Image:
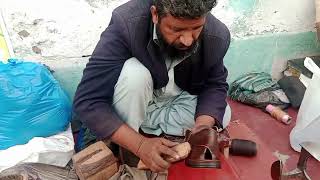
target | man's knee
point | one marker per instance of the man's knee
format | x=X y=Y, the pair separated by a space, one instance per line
x=135 y=76
x=133 y=92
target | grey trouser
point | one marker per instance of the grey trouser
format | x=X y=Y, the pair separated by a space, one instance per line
x=135 y=103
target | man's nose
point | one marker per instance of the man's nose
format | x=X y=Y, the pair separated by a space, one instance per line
x=186 y=39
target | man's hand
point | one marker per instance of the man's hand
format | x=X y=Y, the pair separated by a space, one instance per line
x=203 y=120
x=152 y=150
x=149 y=150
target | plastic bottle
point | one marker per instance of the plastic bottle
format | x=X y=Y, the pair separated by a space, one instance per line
x=278 y=114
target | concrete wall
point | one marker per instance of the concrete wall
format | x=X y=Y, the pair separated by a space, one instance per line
x=265 y=33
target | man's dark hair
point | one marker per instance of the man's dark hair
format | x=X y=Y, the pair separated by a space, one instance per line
x=184 y=8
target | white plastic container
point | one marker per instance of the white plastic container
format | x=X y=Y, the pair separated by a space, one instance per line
x=307 y=127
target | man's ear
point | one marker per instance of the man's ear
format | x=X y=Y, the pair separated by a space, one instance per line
x=155 y=16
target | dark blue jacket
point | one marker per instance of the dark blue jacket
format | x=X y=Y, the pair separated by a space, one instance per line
x=129 y=34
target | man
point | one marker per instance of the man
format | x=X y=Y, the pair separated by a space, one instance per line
x=158 y=67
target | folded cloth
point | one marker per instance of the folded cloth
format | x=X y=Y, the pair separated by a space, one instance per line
x=256 y=89
x=254 y=82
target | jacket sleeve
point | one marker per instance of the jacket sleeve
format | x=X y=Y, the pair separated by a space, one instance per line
x=94 y=95
x=212 y=99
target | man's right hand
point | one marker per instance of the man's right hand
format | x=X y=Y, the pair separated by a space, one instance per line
x=152 y=151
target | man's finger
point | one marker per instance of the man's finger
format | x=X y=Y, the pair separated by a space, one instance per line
x=168 y=143
x=161 y=162
x=164 y=150
x=156 y=168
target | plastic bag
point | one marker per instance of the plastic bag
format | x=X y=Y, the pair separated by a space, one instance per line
x=308 y=121
x=55 y=150
x=32 y=104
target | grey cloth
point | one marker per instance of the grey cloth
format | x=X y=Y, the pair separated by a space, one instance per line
x=172 y=116
x=170 y=112
x=130 y=173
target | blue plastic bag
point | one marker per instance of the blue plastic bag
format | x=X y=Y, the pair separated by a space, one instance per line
x=32 y=103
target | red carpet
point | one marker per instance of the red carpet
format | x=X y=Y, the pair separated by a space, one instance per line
x=271 y=136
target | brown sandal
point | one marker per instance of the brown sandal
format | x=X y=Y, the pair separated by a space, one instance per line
x=204 y=148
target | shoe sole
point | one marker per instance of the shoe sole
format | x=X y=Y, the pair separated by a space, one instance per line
x=211 y=164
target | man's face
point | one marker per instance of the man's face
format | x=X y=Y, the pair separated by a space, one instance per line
x=178 y=33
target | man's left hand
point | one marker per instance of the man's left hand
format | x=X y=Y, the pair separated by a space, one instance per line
x=203 y=120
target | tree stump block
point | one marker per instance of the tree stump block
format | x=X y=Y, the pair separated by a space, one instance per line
x=96 y=162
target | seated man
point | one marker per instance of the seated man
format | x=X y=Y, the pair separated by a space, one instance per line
x=158 y=67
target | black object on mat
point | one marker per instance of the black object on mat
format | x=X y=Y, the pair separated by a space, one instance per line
x=294 y=89
x=241 y=147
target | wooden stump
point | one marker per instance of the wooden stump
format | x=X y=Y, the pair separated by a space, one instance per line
x=96 y=162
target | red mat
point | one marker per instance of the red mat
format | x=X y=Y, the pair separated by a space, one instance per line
x=251 y=168
x=235 y=167
x=181 y=172
x=274 y=135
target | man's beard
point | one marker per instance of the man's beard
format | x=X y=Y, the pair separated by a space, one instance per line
x=171 y=50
